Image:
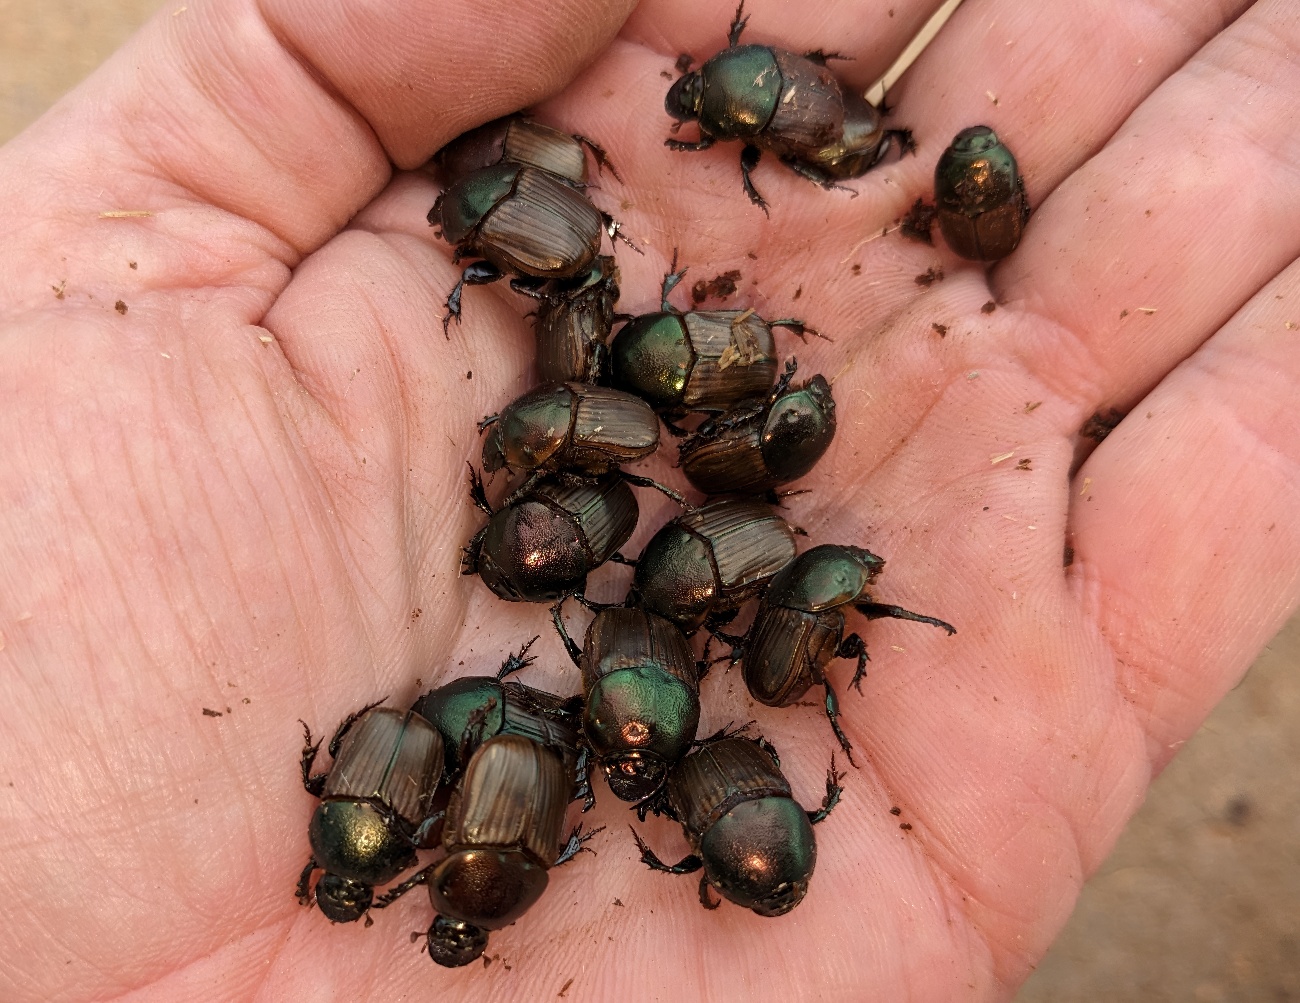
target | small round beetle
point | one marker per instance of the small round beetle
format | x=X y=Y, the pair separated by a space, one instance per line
x=517 y=139
x=469 y=710
x=503 y=832
x=573 y=322
x=699 y=360
x=762 y=442
x=570 y=426
x=799 y=627
x=754 y=842
x=699 y=569
x=641 y=696
x=374 y=806
x=522 y=220
x=542 y=543
x=980 y=196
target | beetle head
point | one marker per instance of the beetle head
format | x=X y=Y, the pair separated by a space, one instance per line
x=343 y=900
x=453 y=942
x=974 y=141
x=684 y=97
x=634 y=776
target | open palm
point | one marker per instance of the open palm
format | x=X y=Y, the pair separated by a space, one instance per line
x=234 y=489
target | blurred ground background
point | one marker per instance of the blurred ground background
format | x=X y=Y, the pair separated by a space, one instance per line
x=1199 y=902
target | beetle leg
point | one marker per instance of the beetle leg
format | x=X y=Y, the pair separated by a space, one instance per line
x=783 y=383
x=876 y=611
x=687 y=865
x=853 y=647
x=487 y=422
x=315 y=785
x=526 y=486
x=429 y=832
x=470 y=553
x=798 y=328
x=821 y=57
x=770 y=749
x=582 y=776
x=737 y=25
x=674 y=430
x=671 y=278
x=646 y=482
x=479 y=273
x=1024 y=200
x=706 y=899
x=572 y=648
x=518 y=660
x=749 y=158
x=703 y=143
x=602 y=158
x=303 y=891
x=833 y=792
x=576 y=844
x=347 y=723
x=397 y=891
x=617 y=558
x=818 y=177
x=615 y=230
x=833 y=714
x=476 y=493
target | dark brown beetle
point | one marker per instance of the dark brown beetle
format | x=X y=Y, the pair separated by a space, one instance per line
x=799 y=627
x=641 y=696
x=762 y=442
x=469 y=710
x=699 y=569
x=523 y=221
x=541 y=544
x=573 y=322
x=767 y=97
x=701 y=360
x=753 y=841
x=374 y=806
x=518 y=139
x=980 y=196
x=503 y=831
x=570 y=426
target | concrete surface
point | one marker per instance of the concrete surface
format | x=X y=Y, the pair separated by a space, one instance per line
x=1200 y=900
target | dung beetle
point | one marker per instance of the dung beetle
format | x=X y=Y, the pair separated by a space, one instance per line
x=541 y=544
x=753 y=840
x=504 y=830
x=569 y=426
x=517 y=139
x=703 y=565
x=641 y=696
x=523 y=221
x=701 y=360
x=862 y=144
x=374 y=806
x=764 y=441
x=573 y=321
x=799 y=627
x=469 y=710
x=980 y=196
x=774 y=100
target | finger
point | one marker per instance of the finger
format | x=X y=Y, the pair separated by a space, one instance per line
x=286 y=119
x=1160 y=238
x=1184 y=519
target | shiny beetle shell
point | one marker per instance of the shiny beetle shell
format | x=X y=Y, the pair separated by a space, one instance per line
x=861 y=145
x=377 y=793
x=472 y=709
x=521 y=219
x=708 y=562
x=642 y=698
x=571 y=426
x=542 y=546
x=755 y=842
x=513 y=139
x=503 y=832
x=762 y=443
x=695 y=361
x=980 y=196
x=573 y=324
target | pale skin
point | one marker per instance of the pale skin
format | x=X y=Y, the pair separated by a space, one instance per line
x=247 y=491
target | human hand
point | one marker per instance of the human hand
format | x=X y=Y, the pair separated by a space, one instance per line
x=246 y=485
